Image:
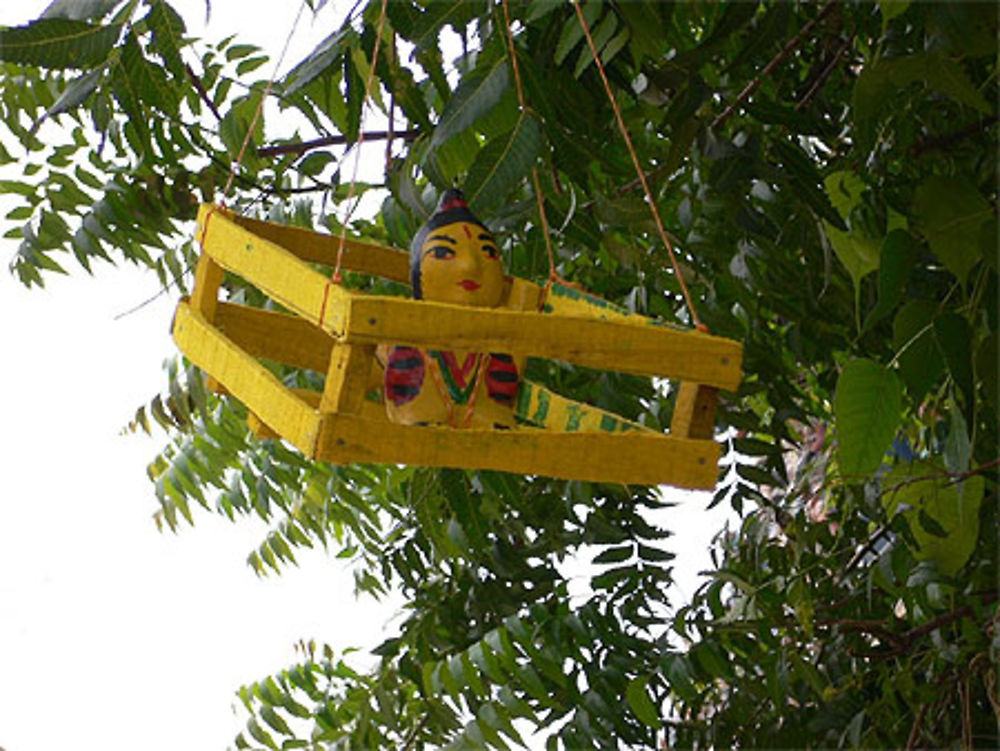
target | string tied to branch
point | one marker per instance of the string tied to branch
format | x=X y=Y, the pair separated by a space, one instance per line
x=639 y=171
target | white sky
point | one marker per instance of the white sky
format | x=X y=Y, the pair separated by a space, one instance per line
x=114 y=635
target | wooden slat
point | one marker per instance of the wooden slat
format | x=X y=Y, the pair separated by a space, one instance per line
x=607 y=345
x=566 y=300
x=208 y=278
x=633 y=457
x=246 y=379
x=283 y=277
x=367 y=258
x=316 y=247
x=275 y=336
x=520 y=294
x=347 y=378
x=694 y=411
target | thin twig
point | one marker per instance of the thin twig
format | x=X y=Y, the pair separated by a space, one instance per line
x=317 y=143
x=866 y=548
x=790 y=45
x=940 y=142
x=164 y=289
x=415 y=733
x=390 y=138
x=945 y=619
x=202 y=94
x=911 y=742
x=825 y=74
x=952 y=477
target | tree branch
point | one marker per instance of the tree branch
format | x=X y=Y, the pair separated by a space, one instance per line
x=790 y=45
x=943 y=141
x=945 y=619
x=911 y=742
x=824 y=74
x=202 y=94
x=317 y=143
x=902 y=642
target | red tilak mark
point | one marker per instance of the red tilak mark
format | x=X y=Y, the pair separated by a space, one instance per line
x=468 y=234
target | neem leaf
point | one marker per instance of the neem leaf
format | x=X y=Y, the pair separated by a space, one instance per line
x=75 y=94
x=892 y=8
x=940 y=73
x=957 y=449
x=953 y=335
x=986 y=368
x=951 y=212
x=933 y=503
x=476 y=95
x=58 y=43
x=319 y=60
x=920 y=360
x=640 y=703
x=805 y=180
x=874 y=87
x=857 y=250
x=79 y=10
x=168 y=35
x=897 y=260
x=867 y=408
x=502 y=163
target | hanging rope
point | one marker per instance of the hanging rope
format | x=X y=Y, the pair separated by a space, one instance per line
x=357 y=153
x=260 y=106
x=221 y=204
x=539 y=196
x=638 y=168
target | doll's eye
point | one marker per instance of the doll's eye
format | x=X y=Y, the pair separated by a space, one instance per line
x=441 y=252
x=491 y=252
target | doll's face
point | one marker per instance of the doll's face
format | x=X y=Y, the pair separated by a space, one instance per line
x=460 y=264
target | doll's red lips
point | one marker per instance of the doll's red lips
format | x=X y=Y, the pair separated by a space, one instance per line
x=469 y=285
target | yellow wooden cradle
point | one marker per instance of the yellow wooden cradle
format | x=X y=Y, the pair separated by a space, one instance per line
x=335 y=331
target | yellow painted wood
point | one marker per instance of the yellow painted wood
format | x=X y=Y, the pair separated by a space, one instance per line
x=694 y=411
x=246 y=379
x=567 y=300
x=603 y=344
x=275 y=336
x=214 y=386
x=278 y=273
x=316 y=247
x=632 y=457
x=347 y=378
x=547 y=409
x=208 y=278
x=336 y=332
x=520 y=294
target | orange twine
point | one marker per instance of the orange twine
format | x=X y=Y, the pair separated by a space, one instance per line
x=539 y=196
x=638 y=168
x=361 y=139
x=260 y=106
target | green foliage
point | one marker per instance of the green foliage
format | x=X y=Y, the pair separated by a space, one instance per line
x=840 y=222
x=866 y=410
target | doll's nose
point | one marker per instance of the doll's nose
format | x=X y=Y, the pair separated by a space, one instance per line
x=469 y=263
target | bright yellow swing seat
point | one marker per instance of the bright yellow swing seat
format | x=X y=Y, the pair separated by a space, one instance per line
x=336 y=331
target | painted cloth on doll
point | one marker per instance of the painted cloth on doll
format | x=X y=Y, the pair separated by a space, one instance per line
x=453 y=259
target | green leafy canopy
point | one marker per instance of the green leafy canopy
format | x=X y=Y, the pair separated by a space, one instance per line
x=827 y=173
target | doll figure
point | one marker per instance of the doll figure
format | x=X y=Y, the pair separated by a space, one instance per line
x=453 y=259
